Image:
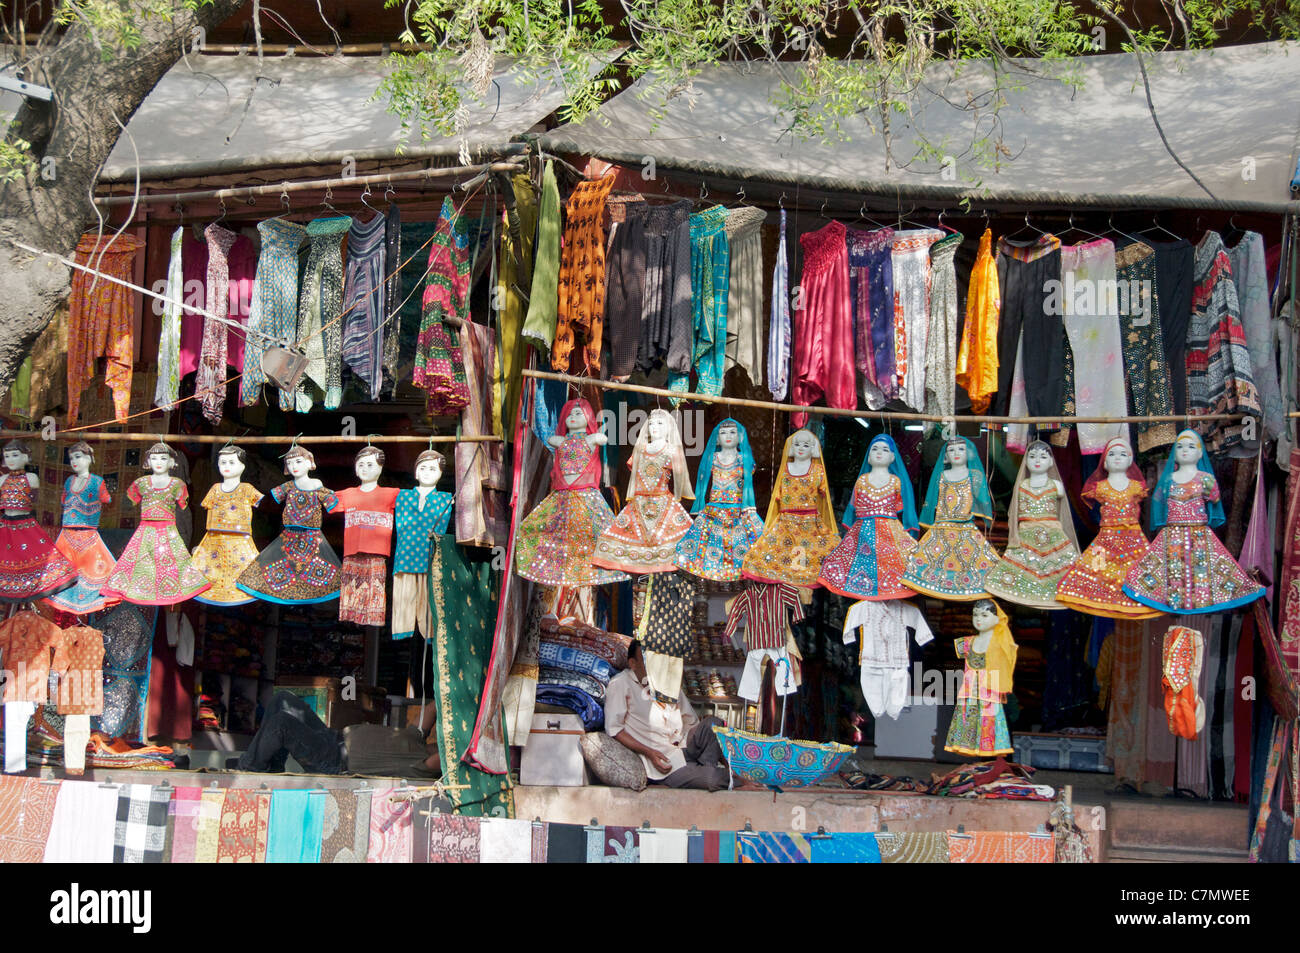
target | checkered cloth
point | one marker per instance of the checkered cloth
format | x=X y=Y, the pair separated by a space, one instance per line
x=141 y=833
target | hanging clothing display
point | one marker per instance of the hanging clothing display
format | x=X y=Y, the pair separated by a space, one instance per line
x=910 y=259
x=625 y=275
x=1186 y=569
x=101 y=320
x=300 y=566
x=29 y=645
x=745 y=292
x=320 y=306
x=482 y=485
x=439 y=366
x=227 y=546
x=393 y=296
x=275 y=307
x=418 y=519
x=778 y=332
x=766 y=611
x=1250 y=278
x=30 y=565
x=1142 y=344
x=155 y=568
x=1289 y=582
x=1042 y=544
x=871 y=293
x=194 y=266
x=710 y=273
x=941 y=339
x=365 y=306
x=823 y=365
x=167 y=387
x=1219 y=377
x=1095 y=582
x=664 y=631
x=1175 y=263
x=1089 y=300
x=883 y=631
x=367 y=544
x=79 y=662
x=1027 y=273
x=667 y=335
x=555 y=543
x=210 y=387
x=581 y=285
x=80 y=542
x=543 y=295
x=977 y=361
x=953 y=557
x=800 y=528
x=979 y=725
x=643 y=537
x=727 y=523
x=870 y=561
x=513 y=276
x=1184 y=651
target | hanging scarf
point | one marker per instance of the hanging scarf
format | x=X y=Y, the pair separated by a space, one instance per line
x=908 y=514
x=1000 y=657
x=823 y=497
x=981 y=502
x=1160 y=498
x=705 y=475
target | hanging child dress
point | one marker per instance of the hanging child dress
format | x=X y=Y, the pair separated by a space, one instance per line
x=724 y=531
x=80 y=542
x=299 y=567
x=871 y=561
x=30 y=565
x=979 y=725
x=227 y=547
x=643 y=537
x=155 y=568
x=800 y=536
x=1028 y=573
x=1095 y=583
x=556 y=541
x=953 y=556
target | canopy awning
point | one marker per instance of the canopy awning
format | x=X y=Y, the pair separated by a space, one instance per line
x=1232 y=115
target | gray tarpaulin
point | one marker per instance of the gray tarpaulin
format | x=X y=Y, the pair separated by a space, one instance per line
x=1232 y=115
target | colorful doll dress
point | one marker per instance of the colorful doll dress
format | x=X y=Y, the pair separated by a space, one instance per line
x=299 y=567
x=643 y=537
x=725 y=529
x=30 y=565
x=80 y=542
x=794 y=544
x=979 y=725
x=953 y=556
x=556 y=541
x=1028 y=574
x=1186 y=569
x=227 y=547
x=1095 y=583
x=367 y=544
x=155 y=568
x=871 y=561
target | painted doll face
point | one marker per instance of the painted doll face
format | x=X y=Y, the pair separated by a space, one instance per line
x=803 y=446
x=367 y=469
x=15 y=459
x=1118 y=459
x=79 y=462
x=728 y=437
x=297 y=467
x=1186 y=450
x=956 y=453
x=160 y=463
x=229 y=466
x=657 y=427
x=428 y=472
x=880 y=455
x=983 y=618
x=576 y=421
x=1038 y=460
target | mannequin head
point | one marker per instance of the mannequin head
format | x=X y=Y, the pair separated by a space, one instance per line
x=804 y=446
x=369 y=464
x=576 y=422
x=1118 y=458
x=1038 y=457
x=657 y=428
x=81 y=456
x=298 y=462
x=231 y=462
x=1187 y=451
x=16 y=455
x=984 y=615
x=955 y=453
x=728 y=437
x=880 y=456
x=160 y=460
x=428 y=468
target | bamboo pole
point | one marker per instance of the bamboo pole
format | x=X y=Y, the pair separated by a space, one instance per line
x=91 y=436
x=868 y=414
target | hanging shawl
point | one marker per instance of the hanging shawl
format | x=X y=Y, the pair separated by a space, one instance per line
x=908 y=514
x=590 y=476
x=705 y=475
x=1000 y=658
x=1160 y=498
x=982 y=503
x=681 y=477
x=823 y=497
x=1062 y=502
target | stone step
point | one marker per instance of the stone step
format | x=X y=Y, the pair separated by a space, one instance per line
x=1139 y=855
x=1173 y=825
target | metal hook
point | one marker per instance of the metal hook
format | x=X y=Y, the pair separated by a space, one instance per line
x=780 y=203
x=823 y=212
x=284 y=199
x=740 y=195
x=704 y=189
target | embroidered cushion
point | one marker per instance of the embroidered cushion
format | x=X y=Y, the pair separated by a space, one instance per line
x=612 y=763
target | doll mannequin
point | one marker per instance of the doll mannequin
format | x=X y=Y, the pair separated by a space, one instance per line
x=870 y=562
x=555 y=543
x=299 y=567
x=84 y=497
x=800 y=530
x=367 y=541
x=953 y=556
x=979 y=725
x=1180 y=676
x=1186 y=569
x=1042 y=546
x=727 y=524
x=421 y=514
x=227 y=548
x=30 y=566
x=643 y=537
x=155 y=568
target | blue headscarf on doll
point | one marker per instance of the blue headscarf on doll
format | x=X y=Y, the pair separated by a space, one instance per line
x=908 y=514
x=706 y=466
x=982 y=504
x=1160 y=497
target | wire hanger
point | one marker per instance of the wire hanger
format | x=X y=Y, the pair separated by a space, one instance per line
x=1157 y=227
x=364 y=196
x=1112 y=230
x=903 y=219
x=947 y=228
x=862 y=216
x=222 y=217
x=1027 y=225
x=823 y=211
x=389 y=190
x=704 y=191
x=325 y=202
x=284 y=202
x=1071 y=227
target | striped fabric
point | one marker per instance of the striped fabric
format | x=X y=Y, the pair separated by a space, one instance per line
x=762 y=609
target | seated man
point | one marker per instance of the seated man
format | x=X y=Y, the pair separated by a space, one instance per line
x=291 y=727
x=679 y=750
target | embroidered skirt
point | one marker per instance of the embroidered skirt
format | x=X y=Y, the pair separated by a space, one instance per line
x=951 y=562
x=1028 y=574
x=643 y=537
x=978 y=728
x=870 y=562
x=362 y=598
x=84 y=548
x=221 y=557
x=1095 y=583
x=716 y=544
x=155 y=568
x=30 y=566
x=555 y=543
x=296 y=569
x=1186 y=570
x=791 y=551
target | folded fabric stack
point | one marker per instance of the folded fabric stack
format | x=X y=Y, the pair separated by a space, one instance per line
x=575 y=664
x=106 y=752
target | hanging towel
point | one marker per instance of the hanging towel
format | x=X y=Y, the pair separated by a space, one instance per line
x=297 y=822
x=663 y=847
x=84 y=823
x=140 y=831
x=505 y=841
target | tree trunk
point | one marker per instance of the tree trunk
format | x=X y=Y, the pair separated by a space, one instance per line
x=72 y=136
